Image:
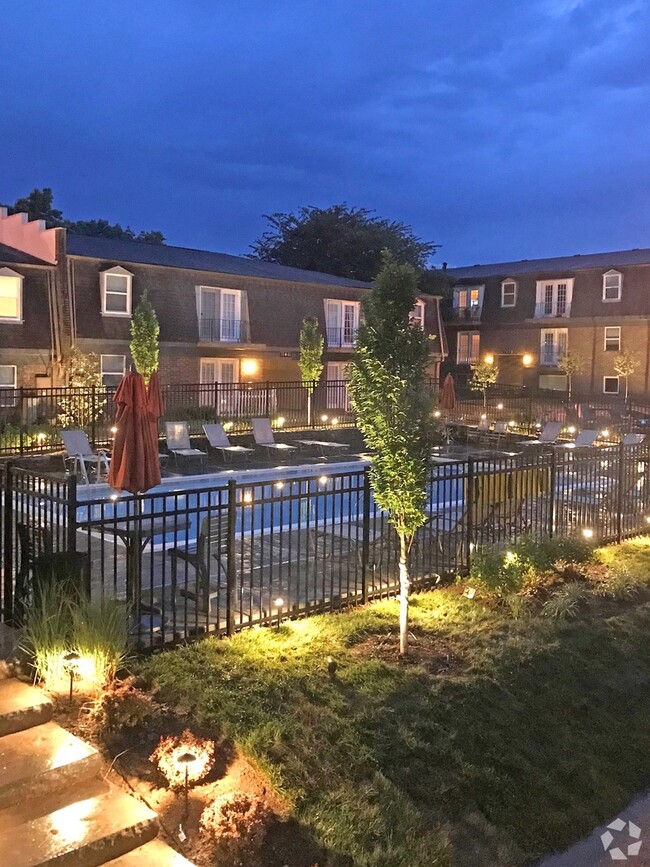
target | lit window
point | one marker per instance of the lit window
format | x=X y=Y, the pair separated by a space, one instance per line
x=610 y=384
x=612 y=285
x=417 y=315
x=11 y=295
x=468 y=347
x=612 y=342
x=341 y=322
x=7 y=381
x=112 y=369
x=508 y=293
x=116 y=292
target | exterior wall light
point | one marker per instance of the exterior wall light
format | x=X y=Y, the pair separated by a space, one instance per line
x=489 y=358
x=527 y=359
x=249 y=367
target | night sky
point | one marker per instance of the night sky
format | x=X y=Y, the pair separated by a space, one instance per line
x=501 y=130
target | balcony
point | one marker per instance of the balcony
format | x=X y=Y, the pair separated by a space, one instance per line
x=559 y=310
x=550 y=355
x=223 y=331
x=341 y=338
x=465 y=314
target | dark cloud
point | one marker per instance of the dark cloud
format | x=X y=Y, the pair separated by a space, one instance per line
x=498 y=129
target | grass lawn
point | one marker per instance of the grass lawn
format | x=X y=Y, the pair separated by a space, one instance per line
x=502 y=740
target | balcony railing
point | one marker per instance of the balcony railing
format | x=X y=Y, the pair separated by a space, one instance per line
x=341 y=338
x=223 y=330
x=549 y=356
x=465 y=314
x=561 y=310
x=467 y=359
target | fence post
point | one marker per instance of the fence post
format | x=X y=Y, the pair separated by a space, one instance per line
x=619 y=495
x=93 y=414
x=552 y=498
x=470 y=513
x=23 y=419
x=8 y=545
x=72 y=515
x=267 y=399
x=231 y=572
x=530 y=414
x=365 y=545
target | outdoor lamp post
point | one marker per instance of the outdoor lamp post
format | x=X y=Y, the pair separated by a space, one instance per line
x=185 y=760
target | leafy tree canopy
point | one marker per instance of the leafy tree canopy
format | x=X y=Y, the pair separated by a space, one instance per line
x=340 y=240
x=144 y=338
x=39 y=205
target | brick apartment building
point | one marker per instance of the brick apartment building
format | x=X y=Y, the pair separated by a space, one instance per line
x=527 y=314
x=222 y=318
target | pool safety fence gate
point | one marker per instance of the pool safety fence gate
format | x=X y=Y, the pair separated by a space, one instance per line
x=221 y=557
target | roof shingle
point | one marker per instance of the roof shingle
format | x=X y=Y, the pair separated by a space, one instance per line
x=559 y=263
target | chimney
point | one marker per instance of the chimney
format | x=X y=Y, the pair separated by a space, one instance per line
x=444 y=266
x=28 y=236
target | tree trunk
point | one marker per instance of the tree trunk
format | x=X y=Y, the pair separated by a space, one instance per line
x=404 y=593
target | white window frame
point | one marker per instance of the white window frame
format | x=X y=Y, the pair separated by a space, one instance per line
x=227 y=334
x=465 y=292
x=470 y=357
x=618 y=384
x=8 y=400
x=340 y=304
x=554 y=285
x=111 y=372
x=557 y=334
x=13 y=275
x=417 y=314
x=118 y=271
x=616 y=328
x=619 y=288
x=513 y=292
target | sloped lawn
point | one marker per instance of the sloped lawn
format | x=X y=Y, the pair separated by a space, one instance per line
x=501 y=740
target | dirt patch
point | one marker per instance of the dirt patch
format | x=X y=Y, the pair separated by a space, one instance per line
x=427 y=650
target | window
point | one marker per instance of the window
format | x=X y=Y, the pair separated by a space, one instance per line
x=468 y=301
x=417 y=315
x=612 y=342
x=468 y=347
x=612 y=285
x=116 y=292
x=508 y=293
x=553 y=345
x=7 y=381
x=11 y=296
x=553 y=298
x=610 y=384
x=224 y=371
x=342 y=322
x=112 y=369
x=220 y=317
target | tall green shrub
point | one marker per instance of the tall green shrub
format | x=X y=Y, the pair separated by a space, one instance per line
x=311 y=357
x=83 y=401
x=145 y=331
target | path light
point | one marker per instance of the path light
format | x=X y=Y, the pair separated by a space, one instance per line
x=279 y=602
x=279 y=485
x=280 y=421
x=571 y=429
x=588 y=533
x=40 y=437
x=647 y=519
x=71 y=662
x=247 y=497
x=323 y=479
x=324 y=418
x=604 y=433
x=114 y=429
x=186 y=759
x=183 y=760
x=499 y=406
x=335 y=421
x=436 y=414
x=510 y=556
x=512 y=423
x=483 y=417
x=114 y=497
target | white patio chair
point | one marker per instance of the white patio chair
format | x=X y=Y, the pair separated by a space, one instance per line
x=218 y=439
x=80 y=453
x=322 y=445
x=263 y=436
x=178 y=441
x=633 y=439
x=584 y=440
x=548 y=436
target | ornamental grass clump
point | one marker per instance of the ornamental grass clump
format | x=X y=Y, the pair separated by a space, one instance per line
x=237 y=823
x=170 y=757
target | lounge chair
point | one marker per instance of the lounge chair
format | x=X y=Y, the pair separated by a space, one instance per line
x=548 y=436
x=178 y=441
x=633 y=439
x=263 y=436
x=218 y=440
x=322 y=445
x=80 y=453
x=584 y=440
x=499 y=430
x=481 y=429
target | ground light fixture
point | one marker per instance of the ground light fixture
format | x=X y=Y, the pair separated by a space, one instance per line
x=114 y=429
x=499 y=406
x=279 y=603
x=324 y=418
x=335 y=421
x=588 y=533
x=71 y=662
x=183 y=761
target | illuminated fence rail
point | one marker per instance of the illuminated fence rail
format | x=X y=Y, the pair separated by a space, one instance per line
x=219 y=558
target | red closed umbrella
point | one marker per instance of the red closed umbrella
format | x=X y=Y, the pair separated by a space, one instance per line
x=447 y=398
x=135 y=463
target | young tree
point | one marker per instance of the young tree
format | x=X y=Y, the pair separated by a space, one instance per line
x=570 y=364
x=625 y=364
x=339 y=240
x=144 y=338
x=83 y=400
x=394 y=409
x=483 y=376
x=311 y=357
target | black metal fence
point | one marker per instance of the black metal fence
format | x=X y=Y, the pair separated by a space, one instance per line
x=215 y=557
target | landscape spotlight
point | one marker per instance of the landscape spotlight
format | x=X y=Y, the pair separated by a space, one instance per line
x=588 y=533
x=71 y=662
x=527 y=360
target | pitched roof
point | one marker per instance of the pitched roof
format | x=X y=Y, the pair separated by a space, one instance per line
x=9 y=255
x=558 y=263
x=196 y=260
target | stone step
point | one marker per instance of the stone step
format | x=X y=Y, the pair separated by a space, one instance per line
x=22 y=706
x=42 y=760
x=154 y=854
x=27 y=809
x=84 y=834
